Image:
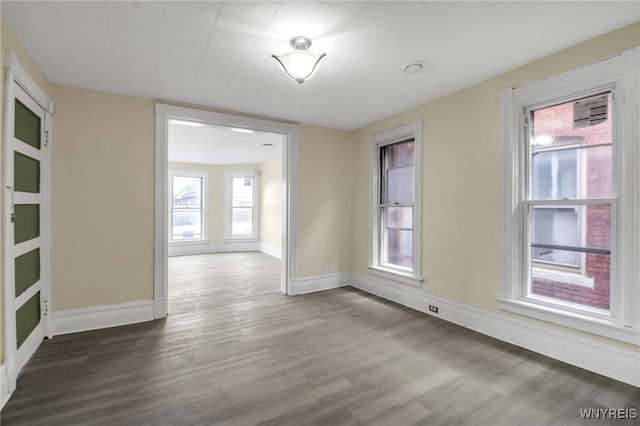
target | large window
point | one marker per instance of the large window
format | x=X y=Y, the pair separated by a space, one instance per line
x=395 y=229
x=241 y=212
x=187 y=210
x=570 y=206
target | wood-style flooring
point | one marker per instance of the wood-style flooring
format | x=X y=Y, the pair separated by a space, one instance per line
x=235 y=351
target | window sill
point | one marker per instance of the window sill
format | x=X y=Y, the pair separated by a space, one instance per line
x=583 y=322
x=562 y=276
x=391 y=274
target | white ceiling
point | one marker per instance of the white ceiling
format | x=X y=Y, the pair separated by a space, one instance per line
x=209 y=144
x=217 y=54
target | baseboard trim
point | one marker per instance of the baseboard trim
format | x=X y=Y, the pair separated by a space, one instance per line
x=105 y=316
x=320 y=283
x=599 y=357
x=186 y=249
x=5 y=394
x=270 y=250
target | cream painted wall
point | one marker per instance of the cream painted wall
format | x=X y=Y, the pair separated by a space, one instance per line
x=324 y=201
x=271 y=203
x=103 y=198
x=8 y=41
x=215 y=192
x=462 y=167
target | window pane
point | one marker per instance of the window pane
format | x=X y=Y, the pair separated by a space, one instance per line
x=566 y=288
x=400 y=185
x=399 y=154
x=579 y=272
x=399 y=217
x=398 y=172
x=554 y=175
x=568 y=160
x=187 y=191
x=586 y=173
x=242 y=221
x=187 y=224
x=555 y=226
x=242 y=192
x=398 y=247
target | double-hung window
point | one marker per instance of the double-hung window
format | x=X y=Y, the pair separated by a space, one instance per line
x=571 y=201
x=188 y=205
x=395 y=225
x=241 y=200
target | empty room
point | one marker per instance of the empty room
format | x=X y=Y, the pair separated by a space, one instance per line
x=320 y=212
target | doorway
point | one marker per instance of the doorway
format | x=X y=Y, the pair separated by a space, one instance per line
x=197 y=227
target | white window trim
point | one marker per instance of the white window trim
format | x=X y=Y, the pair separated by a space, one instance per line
x=621 y=75
x=204 y=175
x=228 y=176
x=411 y=130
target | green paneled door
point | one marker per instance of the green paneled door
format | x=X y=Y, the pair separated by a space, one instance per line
x=26 y=217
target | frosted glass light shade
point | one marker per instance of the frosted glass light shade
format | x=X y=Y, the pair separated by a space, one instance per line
x=300 y=64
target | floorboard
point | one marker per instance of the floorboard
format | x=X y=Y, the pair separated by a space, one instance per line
x=235 y=351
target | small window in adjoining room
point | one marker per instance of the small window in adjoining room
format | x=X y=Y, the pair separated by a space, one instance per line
x=395 y=226
x=187 y=216
x=241 y=213
x=571 y=211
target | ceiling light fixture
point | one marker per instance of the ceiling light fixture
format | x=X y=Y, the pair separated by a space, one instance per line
x=300 y=64
x=412 y=67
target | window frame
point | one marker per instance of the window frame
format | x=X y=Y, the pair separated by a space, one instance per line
x=228 y=205
x=204 y=175
x=378 y=141
x=619 y=75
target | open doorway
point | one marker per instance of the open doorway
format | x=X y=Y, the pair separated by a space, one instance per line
x=223 y=186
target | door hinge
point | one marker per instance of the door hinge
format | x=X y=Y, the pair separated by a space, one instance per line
x=525 y=121
x=46 y=138
x=45 y=307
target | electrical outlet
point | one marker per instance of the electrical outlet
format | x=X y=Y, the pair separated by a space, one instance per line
x=433 y=309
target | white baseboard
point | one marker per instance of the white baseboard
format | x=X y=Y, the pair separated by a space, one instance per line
x=5 y=394
x=319 y=283
x=231 y=246
x=97 y=317
x=270 y=250
x=161 y=308
x=602 y=358
x=185 y=249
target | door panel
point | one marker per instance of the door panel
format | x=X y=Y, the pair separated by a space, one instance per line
x=26 y=173
x=27 y=270
x=27 y=222
x=27 y=318
x=28 y=125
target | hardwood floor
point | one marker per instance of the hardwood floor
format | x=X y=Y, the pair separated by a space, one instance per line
x=235 y=351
